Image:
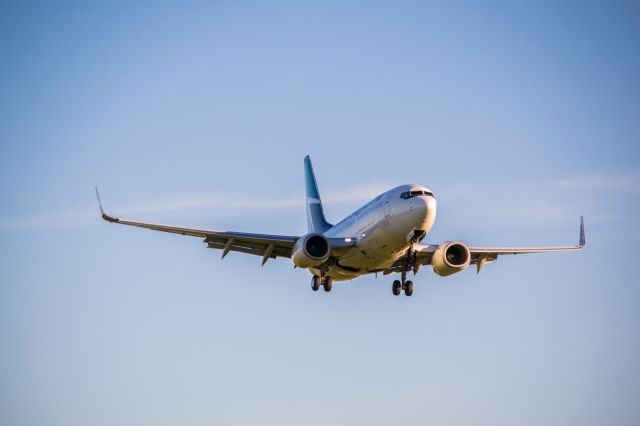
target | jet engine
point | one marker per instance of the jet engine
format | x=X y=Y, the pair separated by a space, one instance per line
x=311 y=250
x=449 y=258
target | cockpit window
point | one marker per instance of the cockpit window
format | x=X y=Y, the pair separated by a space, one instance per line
x=411 y=194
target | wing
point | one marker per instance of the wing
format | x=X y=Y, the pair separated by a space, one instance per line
x=267 y=246
x=481 y=255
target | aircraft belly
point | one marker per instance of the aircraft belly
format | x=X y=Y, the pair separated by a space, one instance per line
x=380 y=246
x=379 y=250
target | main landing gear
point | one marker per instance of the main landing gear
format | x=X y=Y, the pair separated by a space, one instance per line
x=398 y=287
x=403 y=284
x=326 y=283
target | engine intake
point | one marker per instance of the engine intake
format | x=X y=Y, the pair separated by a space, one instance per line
x=311 y=250
x=449 y=258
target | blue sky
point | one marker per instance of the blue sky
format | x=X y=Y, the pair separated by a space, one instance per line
x=520 y=116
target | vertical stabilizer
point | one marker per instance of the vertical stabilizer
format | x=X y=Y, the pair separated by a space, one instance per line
x=316 y=221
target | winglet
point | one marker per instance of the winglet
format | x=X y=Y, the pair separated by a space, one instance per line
x=582 y=241
x=104 y=215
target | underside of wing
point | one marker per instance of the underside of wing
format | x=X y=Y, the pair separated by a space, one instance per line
x=423 y=254
x=265 y=245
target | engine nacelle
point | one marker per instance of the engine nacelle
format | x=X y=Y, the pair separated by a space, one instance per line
x=449 y=258
x=311 y=250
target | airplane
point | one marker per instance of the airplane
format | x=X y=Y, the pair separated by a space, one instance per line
x=383 y=236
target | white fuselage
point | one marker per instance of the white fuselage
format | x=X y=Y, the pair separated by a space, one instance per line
x=384 y=229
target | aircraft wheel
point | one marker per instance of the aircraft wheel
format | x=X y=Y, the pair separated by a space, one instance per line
x=327 y=284
x=396 y=288
x=408 y=288
x=315 y=283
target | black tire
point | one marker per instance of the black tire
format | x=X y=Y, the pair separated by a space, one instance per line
x=396 y=288
x=408 y=288
x=327 y=284
x=315 y=283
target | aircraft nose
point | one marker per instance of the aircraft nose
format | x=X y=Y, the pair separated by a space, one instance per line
x=425 y=207
x=421 y=204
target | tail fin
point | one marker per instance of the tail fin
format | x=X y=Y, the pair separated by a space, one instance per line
x=315 y=214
